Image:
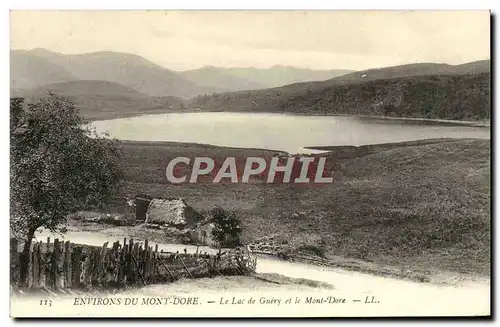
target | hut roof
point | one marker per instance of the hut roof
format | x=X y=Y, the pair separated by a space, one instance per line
x=172 y=212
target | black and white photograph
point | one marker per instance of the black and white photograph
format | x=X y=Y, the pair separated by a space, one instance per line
x=250 y=163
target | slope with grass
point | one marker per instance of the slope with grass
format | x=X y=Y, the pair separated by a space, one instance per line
x=28 y=71
x=99 y=100
x=417 y=69
x=416 y=206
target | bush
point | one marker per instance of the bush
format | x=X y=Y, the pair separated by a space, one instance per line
x=227 y=228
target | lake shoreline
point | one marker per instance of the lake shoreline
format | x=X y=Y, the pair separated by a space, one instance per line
x=436 y=121
x=340 y=150
x=290 y=133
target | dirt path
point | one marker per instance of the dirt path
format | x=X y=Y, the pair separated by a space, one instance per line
x=395 y=297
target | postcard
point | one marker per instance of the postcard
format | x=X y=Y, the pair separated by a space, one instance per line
x=250 y=164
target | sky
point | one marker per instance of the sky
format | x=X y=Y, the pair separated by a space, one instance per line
x=182 y=40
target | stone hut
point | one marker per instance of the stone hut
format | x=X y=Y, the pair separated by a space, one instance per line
x=170 y=212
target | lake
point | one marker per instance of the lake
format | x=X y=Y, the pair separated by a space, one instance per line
x=284 y=132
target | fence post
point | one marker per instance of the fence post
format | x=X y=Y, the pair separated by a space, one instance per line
x=151 y=261
x=57 y=265
x=130 y=267
x=185 y=267
x=86 y=278
x=95 y=266
x=114 y=261
x=155 y=264
x=49 y=280
x=42 y=261
x=122 y=272
x=213 y=268
x=101 y=266
x=138 y=270
x=30 y=266
x=67 y=264
x=76 y=266
x=36 y=265
x=166 y=268
x=145 y=260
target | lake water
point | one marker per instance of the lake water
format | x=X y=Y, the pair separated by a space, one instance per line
x=277 y=131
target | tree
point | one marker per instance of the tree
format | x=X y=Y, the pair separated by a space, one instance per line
x=227 y=228
x=58 y=165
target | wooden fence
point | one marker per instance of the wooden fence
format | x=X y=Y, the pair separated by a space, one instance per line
x=58 y=266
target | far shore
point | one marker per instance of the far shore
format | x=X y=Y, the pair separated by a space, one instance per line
x=374 y=118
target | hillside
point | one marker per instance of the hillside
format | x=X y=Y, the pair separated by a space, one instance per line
x=417 y=69
x=28 y=71
x=249 y=78
x=74 y=88
x=475 y=67
x=423 y=90
x=127 y=69
x=37 y=67
x=421 y=206
x=104 y=100
x=459 y=97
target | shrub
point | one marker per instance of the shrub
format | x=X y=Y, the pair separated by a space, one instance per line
x=227 y=228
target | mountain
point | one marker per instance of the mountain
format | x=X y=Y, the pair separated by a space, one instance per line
x=127 y=69
x=459 y=96
x=427 y=90
x=27 y=71
x=104 y=100
x=210 y=76
x=284 y=75
x=248 y=78
x=475 y=67
x=417 y=69
x=34 y=68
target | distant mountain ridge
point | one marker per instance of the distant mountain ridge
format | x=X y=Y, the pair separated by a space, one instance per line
x=250 y=78
x=109 y=85
x=28 y=71
x=127 y=69
x=37 y=67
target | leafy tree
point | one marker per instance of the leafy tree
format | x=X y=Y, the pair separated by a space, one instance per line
x=16 y=108
x=227 y=228
x=58 y=165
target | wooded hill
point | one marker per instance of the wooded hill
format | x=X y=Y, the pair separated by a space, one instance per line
x=460 y=97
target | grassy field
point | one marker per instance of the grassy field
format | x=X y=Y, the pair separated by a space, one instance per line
x=418 y=205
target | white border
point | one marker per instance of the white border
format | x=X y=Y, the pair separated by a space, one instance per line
x=255 y=4
x=187 y=5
